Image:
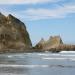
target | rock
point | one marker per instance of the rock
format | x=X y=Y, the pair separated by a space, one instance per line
x=3 y=19
x=51 y=43
x=41 y=44
x=13 y=34
x=54 y=41
x=42 y=41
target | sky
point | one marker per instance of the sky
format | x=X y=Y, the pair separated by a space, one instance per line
x=44 y=18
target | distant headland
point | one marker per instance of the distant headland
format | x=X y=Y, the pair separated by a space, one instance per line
x=15 y=38
x=53 y=44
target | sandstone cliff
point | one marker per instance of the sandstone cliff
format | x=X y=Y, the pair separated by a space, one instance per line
x=13 y=34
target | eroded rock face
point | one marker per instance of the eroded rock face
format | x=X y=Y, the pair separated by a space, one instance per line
x=52 y=42
x=13 y=34
x=40 y=44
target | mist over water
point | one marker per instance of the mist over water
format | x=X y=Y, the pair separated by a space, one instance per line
x=62 y=63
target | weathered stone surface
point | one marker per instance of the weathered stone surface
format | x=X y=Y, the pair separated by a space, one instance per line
x=41 y=44
x=52 y=42
x=13 y=34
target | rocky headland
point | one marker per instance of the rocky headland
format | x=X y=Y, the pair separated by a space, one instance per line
x=14 y=37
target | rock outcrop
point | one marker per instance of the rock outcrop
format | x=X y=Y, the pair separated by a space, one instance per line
x=51 y=43
x=54 y=42
x=13 y=34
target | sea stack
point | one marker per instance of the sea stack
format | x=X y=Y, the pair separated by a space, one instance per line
x=13 y=34
x=52 y=43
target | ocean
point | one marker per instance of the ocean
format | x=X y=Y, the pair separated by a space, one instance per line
x=47 y=63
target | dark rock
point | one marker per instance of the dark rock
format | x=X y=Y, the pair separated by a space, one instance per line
x=13 y=34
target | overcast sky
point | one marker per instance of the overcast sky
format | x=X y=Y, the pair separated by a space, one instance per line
x=44 y=18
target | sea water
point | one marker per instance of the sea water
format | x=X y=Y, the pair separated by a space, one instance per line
x=62 y=63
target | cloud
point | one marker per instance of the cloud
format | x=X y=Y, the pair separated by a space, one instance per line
x=41 y=13
x=27 y=1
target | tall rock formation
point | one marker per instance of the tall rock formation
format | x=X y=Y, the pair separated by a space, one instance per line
x=40 y=44
x=13 y=34
x=52 y=42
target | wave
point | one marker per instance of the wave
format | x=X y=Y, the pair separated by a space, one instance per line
x=37 y=66
x=67 y=52
x=43 y=54
x=69 y=59
x=54 y=58
x=22 y=66
x=10 y=74
x=49 y=54
x=69 y=55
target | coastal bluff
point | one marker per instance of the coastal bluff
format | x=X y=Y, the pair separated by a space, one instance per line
x=14 y=36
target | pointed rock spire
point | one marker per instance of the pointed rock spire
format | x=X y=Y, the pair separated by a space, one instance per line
x=2 y=18
x=42 y=41
x=14 y=20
